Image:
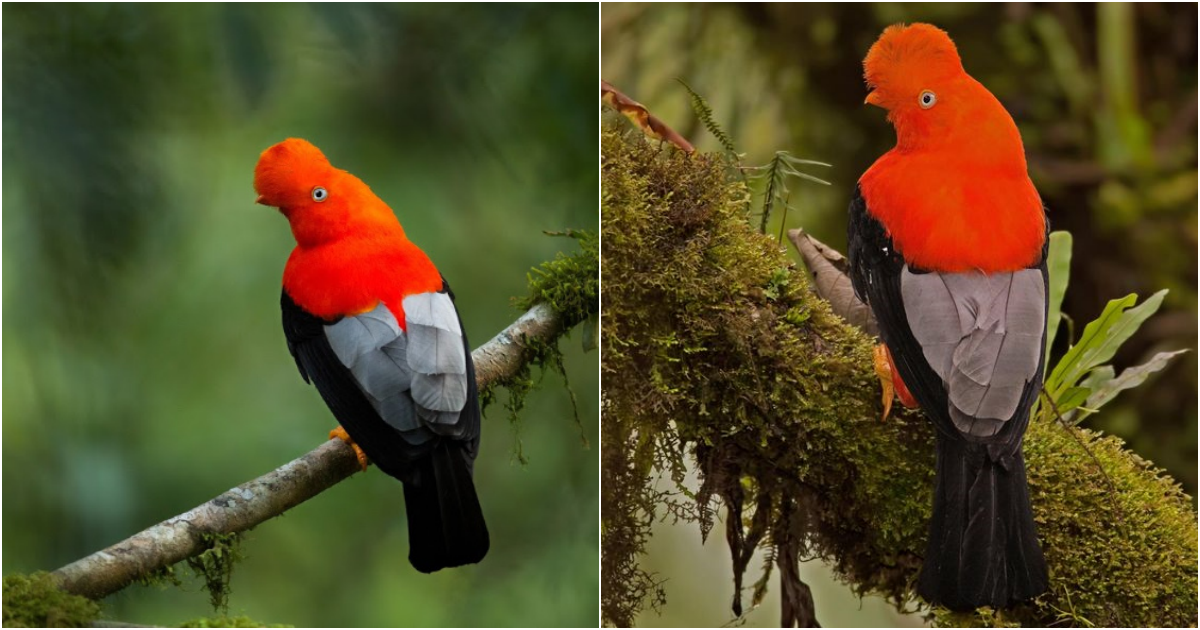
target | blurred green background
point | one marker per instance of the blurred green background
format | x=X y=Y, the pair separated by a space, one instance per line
x=1105 y=98
x=145 y=366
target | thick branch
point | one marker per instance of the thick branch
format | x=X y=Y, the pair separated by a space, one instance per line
x=175 y=539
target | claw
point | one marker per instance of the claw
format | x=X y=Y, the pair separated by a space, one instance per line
x=883 y=370
x=889 y=378
x=341 y=434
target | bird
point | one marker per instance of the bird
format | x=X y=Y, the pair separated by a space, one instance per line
x=947 y=244
x=373 y=325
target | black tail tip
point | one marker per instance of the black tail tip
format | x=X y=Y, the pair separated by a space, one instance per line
x=428 y=558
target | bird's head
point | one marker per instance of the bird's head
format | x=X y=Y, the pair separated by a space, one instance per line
x=321 y=202
x=914 y=72
x=292 y=174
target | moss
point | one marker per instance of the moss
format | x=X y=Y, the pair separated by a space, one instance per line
x=163 y=576
x=570 y=286
x=215 y=566
x=716 y=351
x=226 y=622
x=35 y=601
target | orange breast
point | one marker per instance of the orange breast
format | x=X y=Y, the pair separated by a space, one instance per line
x=348 y=277
x=950 y=216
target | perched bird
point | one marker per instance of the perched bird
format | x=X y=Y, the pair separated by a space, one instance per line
x=947 y=244
x=371 y=322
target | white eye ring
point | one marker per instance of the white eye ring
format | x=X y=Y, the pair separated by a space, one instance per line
x=927 y=99
x=319 y=194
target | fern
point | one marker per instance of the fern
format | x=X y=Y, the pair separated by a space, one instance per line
x=777 y=192
x=705 y=113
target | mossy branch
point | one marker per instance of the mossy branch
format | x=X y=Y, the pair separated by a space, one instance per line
x=717 y=351
x=190 y=534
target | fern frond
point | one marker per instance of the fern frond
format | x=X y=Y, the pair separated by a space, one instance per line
x=705 y=113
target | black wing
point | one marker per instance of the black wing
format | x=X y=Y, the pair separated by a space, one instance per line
x=877 y=271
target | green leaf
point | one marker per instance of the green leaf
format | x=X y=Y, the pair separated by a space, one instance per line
x=1101 y=339
x=1058 y=262
x=1071 y=399
x=1107 y=389
x=1098 y=377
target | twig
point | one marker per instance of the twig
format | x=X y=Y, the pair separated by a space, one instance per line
x=1112 y=488
x=176 y=539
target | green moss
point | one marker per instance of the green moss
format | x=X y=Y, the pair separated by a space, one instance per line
x=570 y=286
x=163 y=576
x=226 y=622
x=215 y=566
x=715 y=350
x=35 y=601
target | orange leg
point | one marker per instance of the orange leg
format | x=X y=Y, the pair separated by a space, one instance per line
x=341 y=434
x=883 y=370
x=889 y=378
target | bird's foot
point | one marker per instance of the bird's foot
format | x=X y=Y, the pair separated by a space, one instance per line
x=341 y=434
x=883 y=370
x=889 y=379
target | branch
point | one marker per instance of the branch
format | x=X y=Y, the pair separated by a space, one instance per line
x=179 y=538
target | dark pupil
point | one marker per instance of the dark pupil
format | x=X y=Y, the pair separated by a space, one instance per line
x=926 y=98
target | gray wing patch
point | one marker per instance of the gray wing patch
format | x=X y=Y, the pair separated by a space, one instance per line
x=437 y=358
x=417 y=382
x=353 y=337
x=374 y=347
x=982 y=334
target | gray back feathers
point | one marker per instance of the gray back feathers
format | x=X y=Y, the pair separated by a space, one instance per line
x=982 y=334
x=416 y=381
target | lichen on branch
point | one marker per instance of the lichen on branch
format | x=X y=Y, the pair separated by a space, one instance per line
x=717 y=354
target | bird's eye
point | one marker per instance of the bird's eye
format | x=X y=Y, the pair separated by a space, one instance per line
x=928 y=99
x=319 y=194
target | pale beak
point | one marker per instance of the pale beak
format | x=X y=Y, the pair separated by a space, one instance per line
x=261 y=199
x=872 y=99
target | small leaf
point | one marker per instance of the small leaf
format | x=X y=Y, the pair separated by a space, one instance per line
x=1101 y=339
x=1129 y=378
x=1058 y=262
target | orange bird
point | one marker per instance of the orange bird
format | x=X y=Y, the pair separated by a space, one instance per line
x=947 y=244
x=371 y=322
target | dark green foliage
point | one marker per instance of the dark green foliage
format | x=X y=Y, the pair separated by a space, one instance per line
x=35 y=601
x=716 y=350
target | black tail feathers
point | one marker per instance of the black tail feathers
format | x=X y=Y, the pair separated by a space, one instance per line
x=983 y=548
x=445 y=522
